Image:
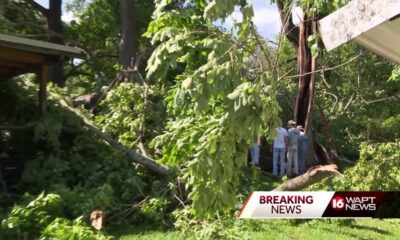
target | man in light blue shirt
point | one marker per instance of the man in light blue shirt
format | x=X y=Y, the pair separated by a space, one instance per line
x=302 y=149
x=292 y=155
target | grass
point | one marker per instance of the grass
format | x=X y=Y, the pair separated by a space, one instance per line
x=283 y=229
x=360 y=229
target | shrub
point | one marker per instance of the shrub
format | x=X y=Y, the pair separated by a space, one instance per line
x=376 y=170
x=42 y=218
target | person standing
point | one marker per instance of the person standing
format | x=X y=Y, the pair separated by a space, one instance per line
x=292 y=155
x=302 y=149
x=279 y=150
x=255 y=153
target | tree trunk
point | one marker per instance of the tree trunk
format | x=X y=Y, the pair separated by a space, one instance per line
x=129 y=40
x=313 y=175
x=306 y=67
x=55 y=26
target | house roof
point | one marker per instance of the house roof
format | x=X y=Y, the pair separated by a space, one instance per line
x=41 y=47
x=373 y=24
x=21 y=55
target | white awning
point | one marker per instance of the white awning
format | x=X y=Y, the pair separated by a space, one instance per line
x=374 y=24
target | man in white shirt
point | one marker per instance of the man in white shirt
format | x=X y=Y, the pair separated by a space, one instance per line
x=280 y=144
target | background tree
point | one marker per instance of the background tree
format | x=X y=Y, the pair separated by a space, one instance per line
x=55 y=34
x=128 y=45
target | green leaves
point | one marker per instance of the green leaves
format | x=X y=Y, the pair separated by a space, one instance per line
x=247 y=12
x=313 y=43
x=218 y=104
x=219 y=9
x=376 y=170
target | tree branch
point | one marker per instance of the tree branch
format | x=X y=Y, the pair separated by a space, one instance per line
x=312 y=176
x=291 y=31
x=321 y=70
x=133 y=155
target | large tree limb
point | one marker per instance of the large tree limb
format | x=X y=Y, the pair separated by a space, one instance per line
x=291 y=31
x=312 y=176
x=133 y=155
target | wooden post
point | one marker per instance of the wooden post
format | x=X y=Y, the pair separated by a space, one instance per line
x=43 y=75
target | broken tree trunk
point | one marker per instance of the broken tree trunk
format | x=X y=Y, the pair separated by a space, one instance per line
x=306 y=64
x=313 y=175
x=298 y=35
x=133 y=155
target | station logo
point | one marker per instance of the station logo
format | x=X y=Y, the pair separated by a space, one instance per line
x=354 y=203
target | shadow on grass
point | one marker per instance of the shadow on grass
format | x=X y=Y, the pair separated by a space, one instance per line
x=359 y=227
x=142 y=229
x=352 y=235
x=374 y=229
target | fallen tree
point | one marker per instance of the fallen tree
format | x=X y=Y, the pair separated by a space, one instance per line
x=133 y=155
x=313 y=175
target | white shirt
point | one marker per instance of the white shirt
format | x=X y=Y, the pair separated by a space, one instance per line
x=279 y=141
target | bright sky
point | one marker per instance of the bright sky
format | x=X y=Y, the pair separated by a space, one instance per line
x=266 y=16
x=66 y=16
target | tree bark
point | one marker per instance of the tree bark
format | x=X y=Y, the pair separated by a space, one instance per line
x=306 y=64
x=133 y=155
x=55 y=26
x=306 y=71
x=312 y=176
x=128 y=45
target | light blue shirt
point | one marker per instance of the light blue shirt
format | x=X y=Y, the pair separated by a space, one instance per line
x=294 y=135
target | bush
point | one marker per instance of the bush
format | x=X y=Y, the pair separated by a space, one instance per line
x=42 y=218
x=64 y=229
x=376 y=170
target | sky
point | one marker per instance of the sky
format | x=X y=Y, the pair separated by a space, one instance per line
x=266 y=17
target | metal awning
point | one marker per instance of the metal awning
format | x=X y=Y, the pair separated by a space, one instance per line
x=42 y=47
x=373 y=24
x=21 y=55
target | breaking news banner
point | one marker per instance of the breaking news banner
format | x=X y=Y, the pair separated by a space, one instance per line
x=263 y=205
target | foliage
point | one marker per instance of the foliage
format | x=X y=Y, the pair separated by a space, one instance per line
x=41 y=219
x=64 y=229
x=376 y=170
x=217 y=105
x=156 y=210
x=96 y=28
x=20 y=18
x=227 y=227
x=132 y=113
x=31 y=219
x=356 y=98
x=85 y=172
x=321 y=7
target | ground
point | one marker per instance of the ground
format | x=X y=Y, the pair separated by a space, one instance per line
x=286 y=229
x=282 y=229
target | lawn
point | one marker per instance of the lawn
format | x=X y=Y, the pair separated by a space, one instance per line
x=285 y=229
x=282 y=229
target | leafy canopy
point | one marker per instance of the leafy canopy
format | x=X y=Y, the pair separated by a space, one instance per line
x=221 y=98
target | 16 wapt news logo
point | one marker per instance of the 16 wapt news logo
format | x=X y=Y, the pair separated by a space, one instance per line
x=354 y=203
